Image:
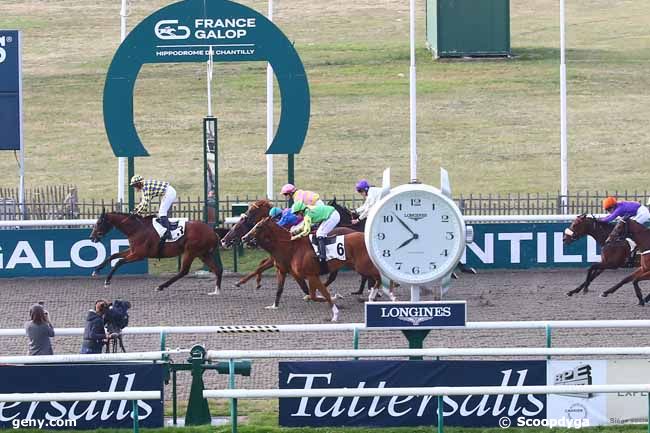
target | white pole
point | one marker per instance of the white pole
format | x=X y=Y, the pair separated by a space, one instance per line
x=413 y=148
x=564 y=171
x=209 y=82
x=21 y=162
x=80 y=396
x=121 y=161
x=269 y=119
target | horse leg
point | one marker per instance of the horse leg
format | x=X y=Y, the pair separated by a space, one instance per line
x=624 y=281
x=212 y=264
x=185 y=269
x=118 y=264
x=118 y=255
x=362 y=286
x=265 y=264
x=587 y=280
x=281 y=278
x=315 y=283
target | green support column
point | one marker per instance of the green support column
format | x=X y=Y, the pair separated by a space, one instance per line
x=198 y=412
x=136 y=417
x=233 y=401
x=441 y=415
x=416 y=339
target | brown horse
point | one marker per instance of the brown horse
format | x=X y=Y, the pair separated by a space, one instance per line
x=641 y=235
x=612 y=255
x=255 y=213
x=199 y=240
x=298 y=258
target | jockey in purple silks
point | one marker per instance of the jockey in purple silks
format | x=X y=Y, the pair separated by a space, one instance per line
x=625 y=209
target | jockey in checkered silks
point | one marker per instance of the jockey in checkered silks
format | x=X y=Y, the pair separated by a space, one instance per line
x=155 y=188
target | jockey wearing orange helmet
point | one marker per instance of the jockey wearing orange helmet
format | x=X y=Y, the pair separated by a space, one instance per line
x=310 y=198
x=625 y=209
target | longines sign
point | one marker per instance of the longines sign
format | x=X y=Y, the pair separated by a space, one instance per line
x=420 y=315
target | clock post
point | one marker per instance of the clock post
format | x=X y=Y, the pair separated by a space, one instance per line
x=415 y=236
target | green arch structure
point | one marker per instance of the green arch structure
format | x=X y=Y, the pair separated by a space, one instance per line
x=184 y=32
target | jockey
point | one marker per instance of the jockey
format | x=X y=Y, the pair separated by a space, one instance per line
x=327 y=216
x=372 y=194
x=285 y=218
x=625 y=209
x=155 y=188
x=310 y=198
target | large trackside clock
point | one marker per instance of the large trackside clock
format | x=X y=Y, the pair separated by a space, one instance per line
x=415 y=235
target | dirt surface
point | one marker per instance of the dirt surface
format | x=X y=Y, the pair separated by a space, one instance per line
x=491 y=296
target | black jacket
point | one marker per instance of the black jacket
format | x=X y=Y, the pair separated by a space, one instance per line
x=94 y=334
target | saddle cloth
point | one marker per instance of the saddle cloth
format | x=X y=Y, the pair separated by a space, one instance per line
x=177 y=225
x=334 y=247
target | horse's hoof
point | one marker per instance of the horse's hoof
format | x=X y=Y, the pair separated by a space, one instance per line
x=159 y=289
x=94 y=274
x=358 y=292
x=259 y=286
x=216 y=292
x=107 y=285
x=392 y=297
x=454 y=276
x=603 y=295
x=641 y=303
x=238 y=284
x=337 y=296
x=306 y=298
x=569 y=294
x=271 y=307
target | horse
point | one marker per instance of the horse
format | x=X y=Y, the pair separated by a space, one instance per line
x=612 y=255
x=641 y=235
x=297 y=257
x=199 y=240
x=255 y=213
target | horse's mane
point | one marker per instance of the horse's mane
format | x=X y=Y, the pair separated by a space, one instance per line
x=127 y=214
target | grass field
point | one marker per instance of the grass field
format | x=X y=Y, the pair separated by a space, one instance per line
x=493 y=124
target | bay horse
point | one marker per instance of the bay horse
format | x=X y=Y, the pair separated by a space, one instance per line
x=199 y=240
x=613 y=255
x=641 y=235
x=255 y=213
x=298 y=258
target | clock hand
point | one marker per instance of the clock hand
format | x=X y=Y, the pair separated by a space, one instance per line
x=408 y=241
x=404 y=224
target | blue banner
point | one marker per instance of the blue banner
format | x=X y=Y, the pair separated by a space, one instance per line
x=58 y=252
x=469 y=411
x=416 y=315
x=10 y=90
x=82 y=378
x=525 y=245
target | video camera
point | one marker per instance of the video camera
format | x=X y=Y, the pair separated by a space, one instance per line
x=115 y=320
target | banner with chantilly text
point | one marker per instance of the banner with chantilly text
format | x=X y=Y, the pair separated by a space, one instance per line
x=469 y=411
x=82 y=378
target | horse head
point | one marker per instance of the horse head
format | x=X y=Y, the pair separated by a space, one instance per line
x=102 y=226
x=345 y=213
x=576 y=230
x=255 y=231
x=256 y=212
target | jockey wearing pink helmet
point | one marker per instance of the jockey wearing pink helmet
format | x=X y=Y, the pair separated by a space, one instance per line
x=310 y=198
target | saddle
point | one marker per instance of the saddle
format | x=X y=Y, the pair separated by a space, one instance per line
x=177 y=228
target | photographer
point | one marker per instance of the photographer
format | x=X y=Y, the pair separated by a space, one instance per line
x=94 y=334
x=39 y=330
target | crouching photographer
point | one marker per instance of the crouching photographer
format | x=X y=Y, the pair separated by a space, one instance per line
x=115 y=320
x=94 y=333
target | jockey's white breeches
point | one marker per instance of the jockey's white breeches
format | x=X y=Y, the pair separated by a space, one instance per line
x=642 y=215
x=167 y=201
x=328 y=225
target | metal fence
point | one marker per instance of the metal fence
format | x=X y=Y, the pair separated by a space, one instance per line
x=63 y=204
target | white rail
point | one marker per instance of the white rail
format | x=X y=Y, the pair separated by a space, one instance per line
x=479 y=351
x=233 y=220
x=103 y=357
x=80 y=396
x=422 y=391
x=339 y=327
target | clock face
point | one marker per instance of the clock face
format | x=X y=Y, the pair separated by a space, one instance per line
x=416 y=235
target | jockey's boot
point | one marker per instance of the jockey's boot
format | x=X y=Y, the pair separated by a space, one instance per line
x=322 y=257
x=165 y=223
